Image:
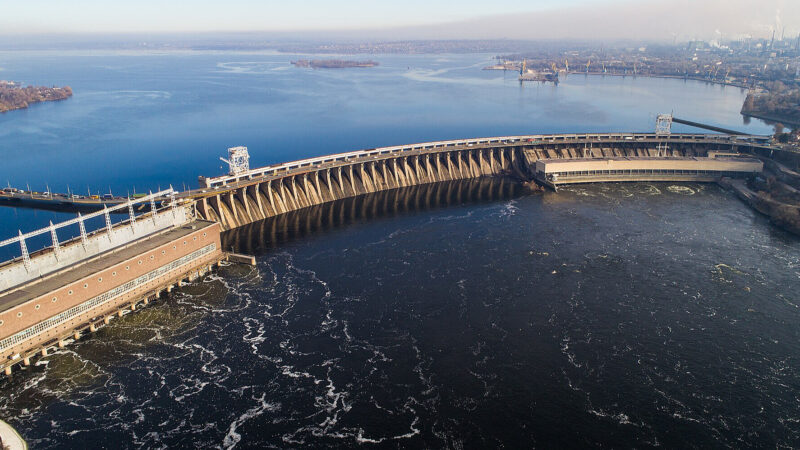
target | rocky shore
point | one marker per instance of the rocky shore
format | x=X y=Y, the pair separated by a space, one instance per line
x=776 y=194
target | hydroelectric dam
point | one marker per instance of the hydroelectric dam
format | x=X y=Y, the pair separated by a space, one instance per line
x=249 y=195
x=52 y=295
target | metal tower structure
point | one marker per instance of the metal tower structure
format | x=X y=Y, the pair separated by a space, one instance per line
x=664 y=125
x=238 y=160
x=663 y=130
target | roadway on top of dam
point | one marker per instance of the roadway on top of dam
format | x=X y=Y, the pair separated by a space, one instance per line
x=224 y=183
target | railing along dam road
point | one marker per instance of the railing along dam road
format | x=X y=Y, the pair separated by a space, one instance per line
x=237 y=200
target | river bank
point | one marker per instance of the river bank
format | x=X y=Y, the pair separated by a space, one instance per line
x=668 y=77
x=775 y=195
x=773 y=119
x=15 y=96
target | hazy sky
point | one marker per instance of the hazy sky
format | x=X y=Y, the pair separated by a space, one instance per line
x=409 y=19
x=248 y=15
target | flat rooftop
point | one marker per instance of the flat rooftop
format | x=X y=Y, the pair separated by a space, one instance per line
x=83 y=269
x=721 y=164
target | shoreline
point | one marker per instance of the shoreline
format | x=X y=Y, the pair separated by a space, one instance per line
x=792 y=123
x=14 y=96
x=672 y=77
x=20 y=107
x=777 y=198
x=624 y=75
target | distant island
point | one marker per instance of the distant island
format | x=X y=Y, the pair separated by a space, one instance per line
x=16 y=96
x=333 y=63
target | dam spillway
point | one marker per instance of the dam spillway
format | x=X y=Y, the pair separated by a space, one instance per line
x=239 y=199
x=259 y=237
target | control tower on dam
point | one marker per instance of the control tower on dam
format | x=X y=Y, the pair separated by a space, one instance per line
x=55 y=294
x=249 y=195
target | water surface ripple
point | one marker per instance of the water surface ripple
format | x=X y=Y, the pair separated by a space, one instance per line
x=620 y=315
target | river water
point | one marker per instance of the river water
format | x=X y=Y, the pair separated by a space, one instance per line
x=465 y=314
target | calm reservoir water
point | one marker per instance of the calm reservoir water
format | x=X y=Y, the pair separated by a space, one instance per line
x=468 y=314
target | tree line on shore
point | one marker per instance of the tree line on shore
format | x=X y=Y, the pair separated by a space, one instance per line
x=15 y=96
x=777 y=101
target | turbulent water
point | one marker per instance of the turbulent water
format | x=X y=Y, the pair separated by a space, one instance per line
x=463 y=315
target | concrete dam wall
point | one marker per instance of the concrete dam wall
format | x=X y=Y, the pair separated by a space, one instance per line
x=257 y=237
x=235 y=201
x=259 y=200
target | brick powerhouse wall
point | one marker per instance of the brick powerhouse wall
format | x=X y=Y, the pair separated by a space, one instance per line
x=43 y=307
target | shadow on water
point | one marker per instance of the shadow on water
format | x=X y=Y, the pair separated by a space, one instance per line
x=273 y=232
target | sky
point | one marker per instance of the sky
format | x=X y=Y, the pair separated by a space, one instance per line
x=408 y=19
x=249 y=15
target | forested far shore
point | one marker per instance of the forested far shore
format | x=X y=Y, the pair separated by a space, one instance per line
x=15 y=96
x=777 y=102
